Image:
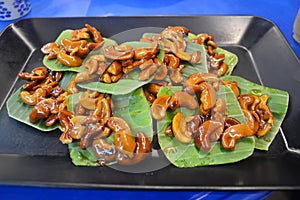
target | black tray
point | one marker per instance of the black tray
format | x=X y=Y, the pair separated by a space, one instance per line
x=30 y=157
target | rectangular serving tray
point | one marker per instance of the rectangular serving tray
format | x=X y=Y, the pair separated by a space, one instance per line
x=31 y=157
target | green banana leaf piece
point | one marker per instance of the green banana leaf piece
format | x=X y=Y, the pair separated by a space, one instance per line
x=54 y=65
x=122 y=87
x=190 y=68
x=278 y=104
x=20 y=111
x=188 y=155
x=82 y=157
x=133 y=107
x=79 y=156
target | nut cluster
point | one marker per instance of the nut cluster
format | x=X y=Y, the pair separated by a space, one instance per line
x=216 y=62
x=93 y=122
x=43 y=91
x=117 y=61
x=211 y=124
x=70 y=52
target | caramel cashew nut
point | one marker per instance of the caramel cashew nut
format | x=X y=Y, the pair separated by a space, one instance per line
x=96 y=34
x=29 y=86
x=209 y=42
x=267 y=118
x=117 y=124
x=37 y=74
x=193 y=123
x=234 y=87
x=56 y=76
x=79 y=109
x=230 y=121
x=92 y=130
x=33 y=99
x=217 y=60
x=88 y=101
x=208 y=132
x=114 y=68
x=172 y=61
x=162 y=72
x=78 y=48
x=68 y=60
x=180 y=53
x=192 y=84
x=103 y=110
x=148 y=72
x=222 y=69
x=196 y=57
x=176 y=76
x=173 y=40
x=149 y=96
x=143 y=147
x=116 y=78
x=94 y=45
x=50 y=121
x=65 y=121
x=153 y=88
x=118 y=53
x=80 y=34
x=186 y=100
x=252 y=119
x=208 y=97
x=105 y=77
x=169 y=131
x=77 y=130
x=124 y=143
x=233 y=133
x=105 y=151
x=146 y=52
x=51 y=49
x=248 y=104
x=56 y=91
x=219 y=110
x=181 y=29
x=159 y=107
x=43 y=109
x=245 y=101
x=84 y=76
x=179 y=129
x=71 y=88
x=203 y=38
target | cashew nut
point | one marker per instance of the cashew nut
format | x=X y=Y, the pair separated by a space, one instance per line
x=179 y=129
x=233 y=133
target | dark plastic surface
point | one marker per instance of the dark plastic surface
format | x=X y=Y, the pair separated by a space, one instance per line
x=32 y=157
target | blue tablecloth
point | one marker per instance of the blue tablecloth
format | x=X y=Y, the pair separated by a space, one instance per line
x=282 y=13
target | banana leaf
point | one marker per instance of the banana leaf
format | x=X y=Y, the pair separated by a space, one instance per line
x=20 y=111
x=82 y=157
x=188 y=155
x=126 y=84
x=278 y=104
x=133 y=107
x=135 y=110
